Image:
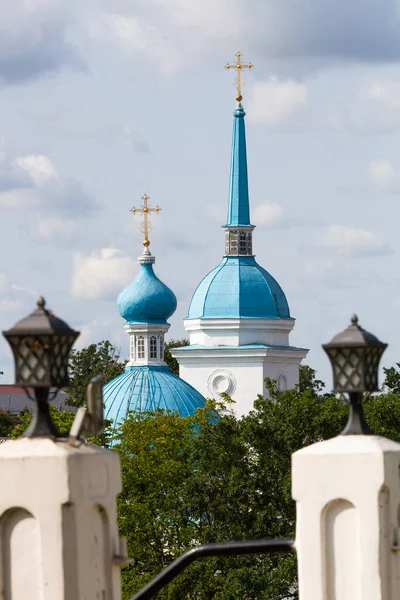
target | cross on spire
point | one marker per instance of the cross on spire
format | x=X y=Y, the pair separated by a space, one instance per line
x=145 y=210
x=239 y=66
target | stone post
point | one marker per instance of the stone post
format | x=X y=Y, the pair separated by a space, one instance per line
x=347 y=491
x=58 y=530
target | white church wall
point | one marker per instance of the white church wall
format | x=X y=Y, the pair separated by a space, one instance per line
x=239 y=332
x=242 y=382
x=240 y=371
x=216 y=337
x=286 y=374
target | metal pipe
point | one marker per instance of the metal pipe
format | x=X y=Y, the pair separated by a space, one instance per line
x=217 y=549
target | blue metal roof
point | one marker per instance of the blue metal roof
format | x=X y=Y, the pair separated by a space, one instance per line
x=147 y=299
x=147 y=388
x=239 y=288
x=238 y=207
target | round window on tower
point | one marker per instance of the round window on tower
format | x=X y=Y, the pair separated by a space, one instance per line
x=220 y=382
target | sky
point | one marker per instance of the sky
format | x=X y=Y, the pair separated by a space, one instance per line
x=102 y=101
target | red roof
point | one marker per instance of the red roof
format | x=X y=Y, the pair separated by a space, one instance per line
x=11 y=389
x=6 y=389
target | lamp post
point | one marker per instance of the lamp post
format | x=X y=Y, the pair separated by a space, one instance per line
x=355 y=355
x=41 y=344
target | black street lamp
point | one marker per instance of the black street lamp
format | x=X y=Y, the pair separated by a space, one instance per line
x=355 y=355
x=41 y=344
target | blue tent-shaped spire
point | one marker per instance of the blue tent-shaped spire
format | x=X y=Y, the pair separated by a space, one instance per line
x=238 y=207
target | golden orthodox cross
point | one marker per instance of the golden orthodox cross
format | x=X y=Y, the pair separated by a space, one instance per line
x=145 y=210
x=238 y=66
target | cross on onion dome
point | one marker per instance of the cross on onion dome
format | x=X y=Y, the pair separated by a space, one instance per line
x=145 y=210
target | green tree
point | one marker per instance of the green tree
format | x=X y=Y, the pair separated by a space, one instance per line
x=392 y=378
x=61 y=419
x=308 y=380
x=169 y=359
x=85 y=364
x=7 y=423
x=196 y=480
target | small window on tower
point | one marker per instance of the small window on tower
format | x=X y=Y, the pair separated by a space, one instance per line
x=132 y=348
x=153 y=346
x=249 y=244
x=233 y=242
x=226 y=242
x=242 y=242
x=140 y=347
x=161 y=347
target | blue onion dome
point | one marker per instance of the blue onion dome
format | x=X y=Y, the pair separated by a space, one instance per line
x=148 y=388
x=147 y=299
x=239 y=288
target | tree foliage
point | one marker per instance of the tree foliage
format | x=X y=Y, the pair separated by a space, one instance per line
x=61 y=419
x=392 y=378
x=308 y=380
x=85 y=364
x=169 y=359
x=188 y=481
x=7 y=423
x=197 y=480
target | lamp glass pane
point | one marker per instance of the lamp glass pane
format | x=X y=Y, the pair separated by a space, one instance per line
x=347 y=366
x=372 y=359
x=31 y=359
x=60 y=354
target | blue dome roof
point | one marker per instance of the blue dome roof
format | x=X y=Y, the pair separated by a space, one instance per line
x=149 y=388
x=147 y=299
x=239 y=287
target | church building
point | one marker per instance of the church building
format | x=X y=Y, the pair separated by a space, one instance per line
x=147 y=383
x=239 y=319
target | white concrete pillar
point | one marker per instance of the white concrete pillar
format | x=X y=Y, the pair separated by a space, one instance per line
x=58 y=530
x=347 y=491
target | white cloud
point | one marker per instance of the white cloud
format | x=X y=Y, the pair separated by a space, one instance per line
x=10 y=294
x=56 y=227
x=31 y=182
x=88 y=335
x=134 y=35
x=375 y=108
x=383 y=92
x=384 y=177
x=274 y=102
x=101 y=275
x=33 y=38
x=175 y=33
x=38 y=166
x=7 y=304
x=318 y=268
x=266 y=215
x=216 y=212
x=20 y=198
x=3 y=282
x=350 y=241
x=26 y=289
